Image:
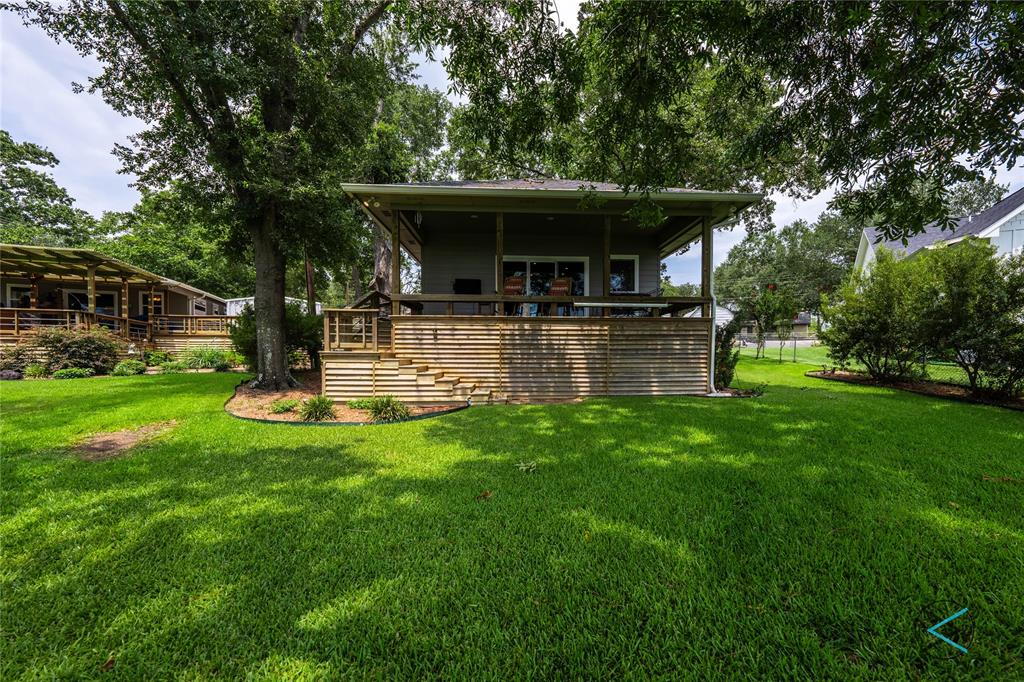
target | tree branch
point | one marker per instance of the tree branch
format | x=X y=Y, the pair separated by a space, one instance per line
x=367 y=23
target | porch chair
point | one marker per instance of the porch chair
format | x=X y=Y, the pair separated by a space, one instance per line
x=560 y=286
x=513 y=286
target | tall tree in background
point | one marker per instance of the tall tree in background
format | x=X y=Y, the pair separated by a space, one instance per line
x=970 y=198
x=34 y=209
x=266 y=104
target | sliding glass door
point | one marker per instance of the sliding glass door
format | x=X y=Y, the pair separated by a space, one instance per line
x=539 y=272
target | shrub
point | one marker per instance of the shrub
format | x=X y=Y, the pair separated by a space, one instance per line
x=36 y=371
x=284 y=405
x=202 y=357
x=154 y=358
x=172 y=367
x=301 y=332
x=16 y=357
x=360 y=403
x=234 y=358
x=878 y=319
x=387 y=408
x=127 y=368
x=10 y=375
x=726 y=353
x=73 y=373
x=317 y=409
x=95 y=349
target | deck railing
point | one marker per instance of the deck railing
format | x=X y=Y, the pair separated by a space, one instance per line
x=351 y=329
x=619 y=305
x=16 y=322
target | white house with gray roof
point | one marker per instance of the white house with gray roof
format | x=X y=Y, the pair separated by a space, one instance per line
x=1002 y=225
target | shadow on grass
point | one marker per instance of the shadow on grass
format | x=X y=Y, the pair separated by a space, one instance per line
x=791 y=535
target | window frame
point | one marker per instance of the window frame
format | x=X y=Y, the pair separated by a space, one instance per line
x=636 y=271
x=554 y=259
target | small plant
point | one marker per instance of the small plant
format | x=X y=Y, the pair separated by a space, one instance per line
x=155 y=358
x=10 y=375
x=204 y=357
x=317 y=409
x=36 y=371
x=73 y=373
x=283 y=405
x=360 y=403
x=387 y=408
x=127 y=368
x=172 y=367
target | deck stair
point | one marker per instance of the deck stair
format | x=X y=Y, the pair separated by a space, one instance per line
x=364 y=374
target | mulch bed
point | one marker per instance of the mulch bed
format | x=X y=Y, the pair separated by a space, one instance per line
x=101 y=446
x=930 y=388
x=252 y=404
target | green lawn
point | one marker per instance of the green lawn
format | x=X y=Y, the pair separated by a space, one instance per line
x=809 y=533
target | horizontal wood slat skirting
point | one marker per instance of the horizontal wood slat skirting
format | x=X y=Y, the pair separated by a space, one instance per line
x=437 y=357
x=175 y=343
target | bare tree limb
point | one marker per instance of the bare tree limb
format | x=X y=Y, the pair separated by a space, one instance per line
x=367 y=23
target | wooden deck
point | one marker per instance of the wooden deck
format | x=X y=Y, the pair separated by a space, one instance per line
x=440 y=359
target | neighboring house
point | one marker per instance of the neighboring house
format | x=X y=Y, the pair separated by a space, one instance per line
x=803 y=327
x=46 y=286
x=1002 y=225
x=723 y=315
x=531 y=290
x=236 y=305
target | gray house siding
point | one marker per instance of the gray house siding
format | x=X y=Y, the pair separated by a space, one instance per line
x=467 y=252
x=1011 y=236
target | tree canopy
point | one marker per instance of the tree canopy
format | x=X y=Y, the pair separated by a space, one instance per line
x=34 y=209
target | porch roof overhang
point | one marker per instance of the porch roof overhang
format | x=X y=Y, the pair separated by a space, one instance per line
x=685 y=209
x=18 y=260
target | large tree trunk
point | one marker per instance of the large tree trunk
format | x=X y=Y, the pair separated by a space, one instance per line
x=381 y=262
x=272 y=358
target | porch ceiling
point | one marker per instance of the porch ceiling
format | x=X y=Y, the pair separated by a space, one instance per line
x=17 y=260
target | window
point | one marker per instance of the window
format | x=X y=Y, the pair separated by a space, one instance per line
x=106 y=302
x=541 y=271
x=18 y=297
x=198 y=306
x=625 y=274
x=158 y=303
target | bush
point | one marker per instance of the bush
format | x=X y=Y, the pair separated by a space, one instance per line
x=73 y=373
x=127 y=368
x=234 y=358
x=360 y=403
x=17 y=357
x=155 y=358
x=172 y=367
x=94 y=349
x=301 y=332
x=387 y=408
x=284 y=405
x=879 y=319
x=317 y=409
x=204 y=357
x=726 y=354
x=36 y=371
x=10 y=375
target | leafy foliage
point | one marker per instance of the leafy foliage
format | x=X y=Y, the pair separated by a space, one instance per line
x=282 y=405
x=319 y=408
x=73 y=373
x=878 y=319
x=36 y=371
x=970 y=198
x=387 y=408
x=127 y=368
x=156 y=357
x=34 y=209
x=726 y=353
x=302 y=332
x=360 y=403
x=95 y=349
x=17 y=357
x=205 y=357
x=172 y=367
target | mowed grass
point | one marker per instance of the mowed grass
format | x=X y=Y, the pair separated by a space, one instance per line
x=810 y=533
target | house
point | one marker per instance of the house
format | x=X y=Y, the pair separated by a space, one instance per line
x=1002 y=225
x=803 y=327
x=235 y=306
x=46 y=287
x=531 y=290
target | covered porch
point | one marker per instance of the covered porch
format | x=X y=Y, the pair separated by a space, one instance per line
x=529 y=290
x=50 y=287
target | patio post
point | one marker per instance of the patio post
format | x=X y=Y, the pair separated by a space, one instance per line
x=91 y=274
x=606 y=277
x=33 y=298
x=124 y=305
x=706 y=244
x=396 y=264
x=149 y=310
x=499 y=258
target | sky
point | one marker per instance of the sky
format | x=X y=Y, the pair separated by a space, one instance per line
x=37 y=104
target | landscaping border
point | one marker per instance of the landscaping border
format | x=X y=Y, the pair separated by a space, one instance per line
x=257 y=420
x=865 y=380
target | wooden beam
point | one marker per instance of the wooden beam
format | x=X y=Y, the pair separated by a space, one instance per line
x=124 y=301
x=396 y=263
x=499 y=253
x=33 y=299
x=91 y=284
x=606 y=275
x=706 y=256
